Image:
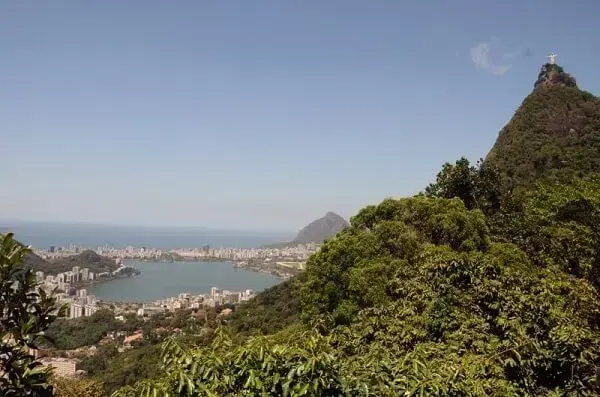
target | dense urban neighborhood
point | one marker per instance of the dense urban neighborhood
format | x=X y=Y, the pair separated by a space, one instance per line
x=283 y=262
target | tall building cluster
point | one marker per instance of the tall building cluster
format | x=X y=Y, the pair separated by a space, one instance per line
x=65 y=281
x=298 y=252
x=82 y=304
x=79 y=301
x=216 y=297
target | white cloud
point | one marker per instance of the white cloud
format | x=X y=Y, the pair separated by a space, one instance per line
x=483 y=56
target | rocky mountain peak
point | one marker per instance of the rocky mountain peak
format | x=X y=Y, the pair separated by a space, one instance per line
x=553 y=75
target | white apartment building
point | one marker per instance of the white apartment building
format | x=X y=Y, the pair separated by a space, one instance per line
x=75 y=273
x=39 y=277
x=85 y=274
x=64 y=367
x=76 y=310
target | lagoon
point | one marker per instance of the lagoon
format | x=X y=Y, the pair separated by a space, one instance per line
x=160 y=280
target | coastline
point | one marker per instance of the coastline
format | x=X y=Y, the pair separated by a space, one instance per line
x=101 y=281
x=272 y=269
x=279 y=272
x=179 y=259
x=160 y=281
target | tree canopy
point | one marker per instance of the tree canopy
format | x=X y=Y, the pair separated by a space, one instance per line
x=553 y=136
x=477 y=186
x=26 y=311
x=417 y=296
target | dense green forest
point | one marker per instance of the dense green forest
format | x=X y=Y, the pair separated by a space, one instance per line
x=554 y=135
x=270 y=311
x=485 y=284
x=91 y=260
x=65 y=334
x=425 y=296
x=115 y=369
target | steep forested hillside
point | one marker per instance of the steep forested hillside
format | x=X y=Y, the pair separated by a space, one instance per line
x=555 y=133
x=270 y=311
x=91 y=260
x=37 y=263
x=417 y=297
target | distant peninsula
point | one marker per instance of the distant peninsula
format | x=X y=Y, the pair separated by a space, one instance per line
x=88 y=259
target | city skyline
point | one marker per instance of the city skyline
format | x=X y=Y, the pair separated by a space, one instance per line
x=260 y=115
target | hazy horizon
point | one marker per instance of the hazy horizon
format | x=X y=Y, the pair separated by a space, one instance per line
x=6 y=222
x=263 y=114
x=45 y=234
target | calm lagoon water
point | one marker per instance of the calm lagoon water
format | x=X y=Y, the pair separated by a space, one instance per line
x=162 y=280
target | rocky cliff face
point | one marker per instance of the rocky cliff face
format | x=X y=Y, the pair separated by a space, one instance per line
x=321 y=229
x=554 y=75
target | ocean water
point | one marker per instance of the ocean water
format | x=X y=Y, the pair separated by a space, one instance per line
x=161 y=280
x=43 y=235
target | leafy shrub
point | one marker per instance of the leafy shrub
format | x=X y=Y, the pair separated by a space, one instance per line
x=26 y=311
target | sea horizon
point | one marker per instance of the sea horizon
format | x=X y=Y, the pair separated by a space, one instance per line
x=43 y=234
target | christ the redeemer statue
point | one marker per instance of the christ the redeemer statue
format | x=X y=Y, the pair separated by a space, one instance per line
x=552 y=58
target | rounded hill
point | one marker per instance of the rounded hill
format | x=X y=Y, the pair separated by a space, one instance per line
x=89 y=259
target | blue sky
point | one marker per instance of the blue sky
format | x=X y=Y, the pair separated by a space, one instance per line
x=260 y=114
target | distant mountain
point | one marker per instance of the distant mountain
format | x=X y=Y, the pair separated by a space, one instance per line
x=554 y=135
x=315 y=232
x=321 y=229
x=91 y=260
x=37 y=263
